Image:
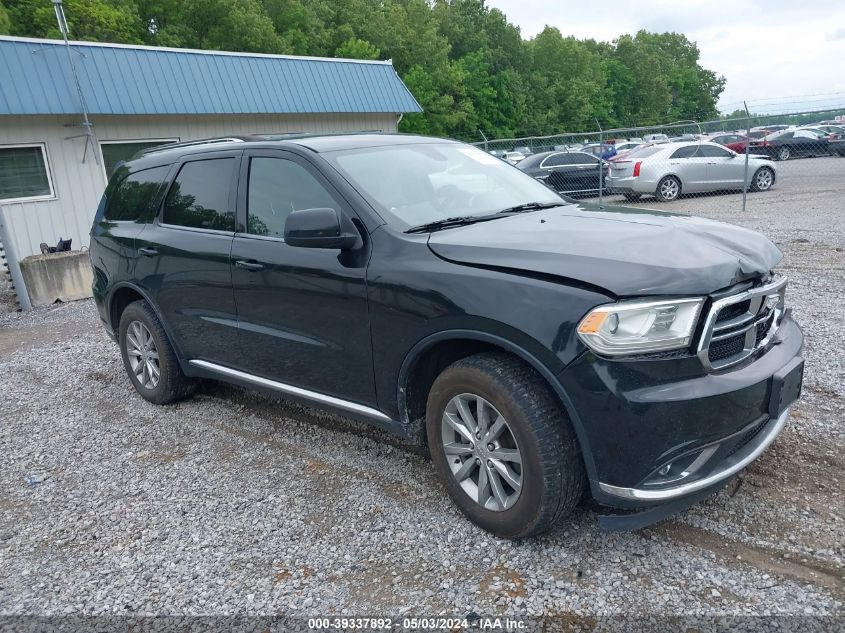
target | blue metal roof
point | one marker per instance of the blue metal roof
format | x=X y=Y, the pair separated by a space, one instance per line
x=35 y=78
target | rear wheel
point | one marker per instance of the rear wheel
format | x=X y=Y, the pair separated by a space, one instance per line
x=763 y=179
x=149 y=358
x=784 y=153
x=503 y=446
x=668 y=189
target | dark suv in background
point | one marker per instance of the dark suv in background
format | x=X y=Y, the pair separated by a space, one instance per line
x=540 y=348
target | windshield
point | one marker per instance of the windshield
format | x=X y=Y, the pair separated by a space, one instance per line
x=421 y=183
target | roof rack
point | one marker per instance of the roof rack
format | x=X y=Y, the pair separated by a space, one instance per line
x=283 y=136
x=204 y=141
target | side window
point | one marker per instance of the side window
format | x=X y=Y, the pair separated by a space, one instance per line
x=199 y=197
x=711 y=151
x=134 y=197
x=685 y=152
x=557 y=160
x=276 y=187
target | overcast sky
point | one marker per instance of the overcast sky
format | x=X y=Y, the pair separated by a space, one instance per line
x=780 y=55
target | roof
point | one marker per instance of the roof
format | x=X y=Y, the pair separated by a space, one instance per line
x=320 y=143
x=35 y=78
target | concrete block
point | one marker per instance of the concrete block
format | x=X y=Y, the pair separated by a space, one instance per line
x=57 y=277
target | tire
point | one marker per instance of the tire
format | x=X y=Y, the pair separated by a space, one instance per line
x=142 y=340
x=550 y=470
x=633 y=197
x=668 y=189
x=783 y=153
x=763 y=179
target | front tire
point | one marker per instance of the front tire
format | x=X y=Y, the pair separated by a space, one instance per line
x=668 y=189
x=502 y=445
x=149 y=358
x=763 y=179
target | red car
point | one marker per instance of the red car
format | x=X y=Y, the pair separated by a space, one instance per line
x=736 y=142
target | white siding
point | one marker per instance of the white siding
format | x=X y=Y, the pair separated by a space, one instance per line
x=78 y=187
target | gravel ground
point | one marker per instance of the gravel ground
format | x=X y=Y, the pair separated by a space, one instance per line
x=236 y=503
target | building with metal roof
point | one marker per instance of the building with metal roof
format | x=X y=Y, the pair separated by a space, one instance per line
x=54 y=167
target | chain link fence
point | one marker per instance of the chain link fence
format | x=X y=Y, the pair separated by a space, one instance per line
x=731 y=162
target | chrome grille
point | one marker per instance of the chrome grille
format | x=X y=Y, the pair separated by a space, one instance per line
x=739 y=324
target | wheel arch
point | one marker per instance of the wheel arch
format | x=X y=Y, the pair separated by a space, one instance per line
x=126 y=293
x=424 y=362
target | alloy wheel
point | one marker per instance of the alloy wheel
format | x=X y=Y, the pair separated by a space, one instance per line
x=764 y=180
x=669 y=189
x=143 y=355
x=482 y=452
x=783 y=153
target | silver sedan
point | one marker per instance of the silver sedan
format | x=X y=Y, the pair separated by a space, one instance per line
x=670 y=169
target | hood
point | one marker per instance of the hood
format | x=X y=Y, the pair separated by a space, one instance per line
x=628 y=252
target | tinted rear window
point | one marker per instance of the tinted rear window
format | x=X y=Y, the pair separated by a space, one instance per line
x=199 y=197
x=134 y=197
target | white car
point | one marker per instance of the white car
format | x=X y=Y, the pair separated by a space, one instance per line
x=670 y=169
x=513 y=157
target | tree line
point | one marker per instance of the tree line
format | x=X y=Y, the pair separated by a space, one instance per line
x=469 y=68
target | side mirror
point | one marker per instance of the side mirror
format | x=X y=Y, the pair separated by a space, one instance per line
x=320 y=228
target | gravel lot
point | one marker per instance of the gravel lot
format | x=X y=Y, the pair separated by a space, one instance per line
x=236 y=503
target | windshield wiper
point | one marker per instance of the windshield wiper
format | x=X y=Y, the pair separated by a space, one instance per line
x=448 y=223
x=531 y=206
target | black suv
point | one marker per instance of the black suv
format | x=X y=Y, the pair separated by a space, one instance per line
x=540 y=348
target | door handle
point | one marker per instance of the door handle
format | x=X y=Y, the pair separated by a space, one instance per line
x=148 y=252
x=248 y=264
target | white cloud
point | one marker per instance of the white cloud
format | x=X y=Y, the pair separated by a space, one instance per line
x=779 y=55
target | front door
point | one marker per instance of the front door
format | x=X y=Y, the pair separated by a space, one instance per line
x=183 y=257
x=724 y=168
x=302 y=312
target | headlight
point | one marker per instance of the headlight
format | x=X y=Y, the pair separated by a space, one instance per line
x=638 y=327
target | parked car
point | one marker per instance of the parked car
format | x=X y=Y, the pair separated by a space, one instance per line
x=791 y=143
x=733 y=141
x=524 y=150
x=626 y=146
x=513 y=157
x=655 y=138
x=666 y=171
x=600 y=150
x=540 y=349
x=832 y=129
x=566 y=172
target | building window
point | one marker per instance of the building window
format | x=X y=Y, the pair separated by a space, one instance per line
x=116 y=151
x=23 y=173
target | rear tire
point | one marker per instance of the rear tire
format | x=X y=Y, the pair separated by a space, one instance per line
x=763 y=179
x=149 y=358
x=668 y=189
x=534 y=429
x=783 y=153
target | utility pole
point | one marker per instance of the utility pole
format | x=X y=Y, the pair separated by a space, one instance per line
x=90 y=138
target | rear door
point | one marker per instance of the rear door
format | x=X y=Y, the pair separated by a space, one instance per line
x=302 y=312
x=183 y=256
x=128 y=205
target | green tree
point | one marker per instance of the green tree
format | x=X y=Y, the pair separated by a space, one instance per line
x=5 y=22
x=88 y=20
x=355 y=48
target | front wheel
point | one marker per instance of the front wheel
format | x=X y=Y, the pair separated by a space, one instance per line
x=668 y=189
x=503 y=446
x=763 y=179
